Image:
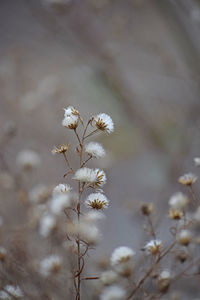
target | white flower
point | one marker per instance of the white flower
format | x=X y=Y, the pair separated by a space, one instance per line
x=165 y=274
x=70 y=122
x=153 y=247
x=15 y=291
x=184 y=237
x=59 y=202
x=187 y=179
x=50 y=265
x=38 y=193
x=121 y=255
x=47 y=225
x=197 y=161
x=61 y=188
x=104 y=122
x=178 y=201
x=70 y=110
x=71 y=117
x=95 y=149
x=97 y=201
x=96 y=177
x=28 y=159
x=113 y=293
x=100 y=178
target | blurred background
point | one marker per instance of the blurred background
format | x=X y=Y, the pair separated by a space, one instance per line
x=136 y=60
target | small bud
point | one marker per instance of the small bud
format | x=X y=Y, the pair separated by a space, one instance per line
x=184 y=237
x=187 y=179
x=153 y=247
x=3 y=254
x=175 y=214
x=164 y=281
x=182 y=256
x=147 y=208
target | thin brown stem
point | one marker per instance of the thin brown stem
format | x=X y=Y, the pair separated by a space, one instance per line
x=67 y=161
x=91 y=133
x=194 y=197
x=152 y=231
x=85 y=162
x=78 y=138
x=85 y=130
x=90 y=278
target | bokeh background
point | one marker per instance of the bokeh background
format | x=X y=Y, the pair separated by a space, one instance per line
x=136 y=60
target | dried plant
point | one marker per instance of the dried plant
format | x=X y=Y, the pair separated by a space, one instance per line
x=67 y=215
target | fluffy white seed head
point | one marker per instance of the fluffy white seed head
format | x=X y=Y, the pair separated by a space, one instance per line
x=71 y=117
x=96 y=177
x=85 y=175
x=165 y=274
x=70 y=122
x=121 y=255
x=100 y=178
x=109 y=277
x=197 y=161
x=178 y=201
x=114 y=292
x=97 y=201
x=50 y=265
x=13 y=292
x=104 y=122
x=28 y=159
x=153 y=247
x=61 y=188
x=47 y=225
x=38 y=193
x=69 y=111
x=59 y=202
x=93 y=215
x=95 y=149
x=187 y=179
x=184 y=237
x=88 y=233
